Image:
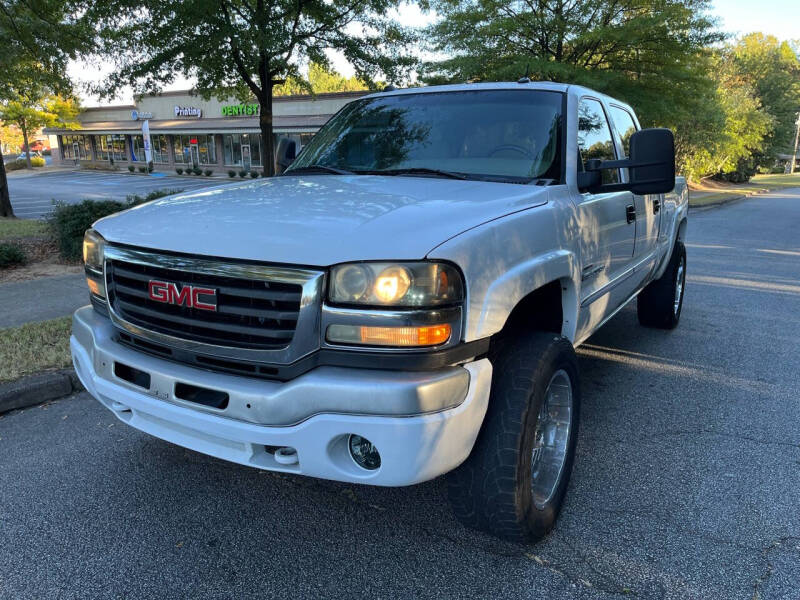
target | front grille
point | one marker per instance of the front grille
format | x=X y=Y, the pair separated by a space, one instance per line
x=251 y=313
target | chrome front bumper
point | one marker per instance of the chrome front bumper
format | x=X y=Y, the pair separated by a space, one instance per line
x=423 y=423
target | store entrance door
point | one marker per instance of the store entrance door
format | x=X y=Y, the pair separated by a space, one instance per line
x=246 y=160
x=195 y=156
x=76 y=152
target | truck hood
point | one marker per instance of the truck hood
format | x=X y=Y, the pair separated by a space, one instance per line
x=318 y=220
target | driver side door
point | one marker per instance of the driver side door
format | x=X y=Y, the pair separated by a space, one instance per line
x=607 y=222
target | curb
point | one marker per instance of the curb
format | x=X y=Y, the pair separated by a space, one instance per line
x=36 y=389
x=720 y=202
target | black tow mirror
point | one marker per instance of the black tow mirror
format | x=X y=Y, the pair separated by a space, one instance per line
x=285 y=154
x=651 y=166
x=652 y=169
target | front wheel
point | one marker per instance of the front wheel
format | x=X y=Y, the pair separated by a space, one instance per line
x=660 y=303
x=513 y=484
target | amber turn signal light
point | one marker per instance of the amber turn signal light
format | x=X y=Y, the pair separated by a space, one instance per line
x=401 y=337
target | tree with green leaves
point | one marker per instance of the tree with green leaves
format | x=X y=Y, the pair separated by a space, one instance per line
x=38 y=39
x=736 y=137
x=31 y=106
x=320 y=81
x=653 y=55
x=244 y=47
x=772 y=69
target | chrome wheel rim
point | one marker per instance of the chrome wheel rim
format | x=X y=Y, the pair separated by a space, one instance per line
x=551 y=438
x=679 y=280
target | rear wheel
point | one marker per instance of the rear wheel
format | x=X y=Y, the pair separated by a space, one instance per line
x=513 y=484
x=660 y=303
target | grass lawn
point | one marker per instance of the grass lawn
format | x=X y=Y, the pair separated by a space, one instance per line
x=20 y=228
x=720 y=192
x=776 y=181
x=34 y=347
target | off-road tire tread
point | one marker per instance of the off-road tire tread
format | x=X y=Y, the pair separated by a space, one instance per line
x=654 y=306
x=483 y=490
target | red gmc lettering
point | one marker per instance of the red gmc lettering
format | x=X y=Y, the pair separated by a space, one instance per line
x=167 y=292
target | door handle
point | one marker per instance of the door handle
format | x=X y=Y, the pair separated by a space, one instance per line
x=656 y=205
x=630 y=213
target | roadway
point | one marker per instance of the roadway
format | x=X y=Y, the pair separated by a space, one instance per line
x=33 y=193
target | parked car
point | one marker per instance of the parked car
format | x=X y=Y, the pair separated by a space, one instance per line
x=403 y=302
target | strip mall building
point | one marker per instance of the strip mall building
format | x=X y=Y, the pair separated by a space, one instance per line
x=187 y=131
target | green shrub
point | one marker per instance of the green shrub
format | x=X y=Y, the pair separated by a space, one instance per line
x=242 y=173
x=69 y=222
x=142 y=169
x=179 y=171
x=253 y=174
x=15 y=165
x=131 y=168
x=150 y=166
x=231 y=173
x=208 y=172
x=11 y=255
x=197 y=171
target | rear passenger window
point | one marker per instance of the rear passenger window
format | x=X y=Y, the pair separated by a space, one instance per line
x=594 y=137
x=625 y=126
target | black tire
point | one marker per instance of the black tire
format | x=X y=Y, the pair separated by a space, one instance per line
x=656 y=303
x=492 y=490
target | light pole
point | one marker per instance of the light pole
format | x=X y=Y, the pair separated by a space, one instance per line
x=796 y=139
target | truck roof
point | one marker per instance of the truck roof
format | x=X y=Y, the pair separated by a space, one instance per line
x=550 y=86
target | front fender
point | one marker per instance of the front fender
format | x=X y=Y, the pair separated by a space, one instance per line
x=507 y=259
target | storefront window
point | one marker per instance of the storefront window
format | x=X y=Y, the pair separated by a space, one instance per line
x=206 y=149
x=76 y=147
x=137 y=143
x=116 y=146
x=159 y=149
x=232 y=145
x=181 y=149
x=101 y=147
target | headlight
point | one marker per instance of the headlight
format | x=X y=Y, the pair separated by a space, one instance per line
x=417 y=284
x=93 y=250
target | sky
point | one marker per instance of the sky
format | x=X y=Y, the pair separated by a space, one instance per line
x=780 y=18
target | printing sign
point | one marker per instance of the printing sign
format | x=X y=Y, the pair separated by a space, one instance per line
x=188 y=111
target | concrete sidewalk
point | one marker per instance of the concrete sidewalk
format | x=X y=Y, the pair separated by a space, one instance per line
x=41 y=299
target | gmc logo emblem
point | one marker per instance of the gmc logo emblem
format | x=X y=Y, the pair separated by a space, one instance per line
x=167 y=292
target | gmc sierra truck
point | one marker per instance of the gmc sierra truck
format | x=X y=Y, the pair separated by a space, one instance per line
x=403 y=301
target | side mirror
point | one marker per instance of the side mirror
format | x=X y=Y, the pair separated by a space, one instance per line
x=651 y=166
x=285 y=154
x=652 y=169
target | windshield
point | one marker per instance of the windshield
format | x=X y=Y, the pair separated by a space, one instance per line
x=500 y=135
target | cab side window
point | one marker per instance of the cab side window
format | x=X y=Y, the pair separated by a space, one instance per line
x=594 y=138
x=624 y=125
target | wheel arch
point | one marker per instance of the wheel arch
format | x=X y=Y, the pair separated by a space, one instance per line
x=540 y=295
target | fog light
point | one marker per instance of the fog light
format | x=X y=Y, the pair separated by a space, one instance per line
x=364 y=452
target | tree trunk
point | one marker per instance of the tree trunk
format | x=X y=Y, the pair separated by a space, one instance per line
x=5 y=199
x=265 y=124
x=24 y=128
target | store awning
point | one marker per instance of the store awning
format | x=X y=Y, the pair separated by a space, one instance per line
x=280 y=124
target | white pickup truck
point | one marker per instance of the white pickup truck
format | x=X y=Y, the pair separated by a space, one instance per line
x=402 y=302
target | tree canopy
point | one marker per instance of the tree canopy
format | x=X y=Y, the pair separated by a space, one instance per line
x=320 y=81
x=244 y=46
x=38 y=39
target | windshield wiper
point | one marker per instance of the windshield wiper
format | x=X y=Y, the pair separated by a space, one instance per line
x=318 y=169
x=419 y=171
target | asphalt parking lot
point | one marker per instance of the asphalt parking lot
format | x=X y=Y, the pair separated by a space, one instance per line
x=686 y=481
x=33 y=194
